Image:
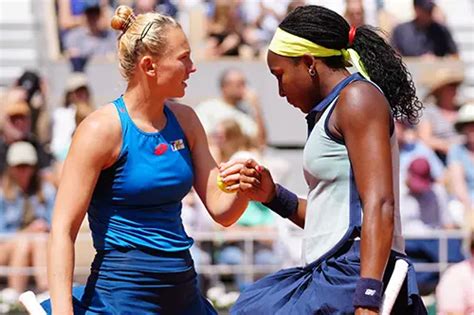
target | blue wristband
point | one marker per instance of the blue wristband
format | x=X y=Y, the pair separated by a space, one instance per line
x=285 y=203
x=368 y=293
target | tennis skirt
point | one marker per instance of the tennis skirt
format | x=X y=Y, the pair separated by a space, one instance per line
x=126 y=282
x=325 y=286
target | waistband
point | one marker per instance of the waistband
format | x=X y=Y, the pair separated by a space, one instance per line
x=146 y=260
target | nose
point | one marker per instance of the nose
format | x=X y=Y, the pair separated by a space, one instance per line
x=193 y=68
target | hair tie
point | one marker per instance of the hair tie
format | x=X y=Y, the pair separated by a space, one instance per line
x=131 y=18
x=352 y=33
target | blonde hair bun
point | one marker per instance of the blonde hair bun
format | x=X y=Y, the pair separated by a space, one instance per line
x=122 y=18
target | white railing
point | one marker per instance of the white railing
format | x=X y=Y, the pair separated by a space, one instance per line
x=248 y=268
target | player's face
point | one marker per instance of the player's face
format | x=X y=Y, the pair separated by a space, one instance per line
x=174 y=67
x=294 y=81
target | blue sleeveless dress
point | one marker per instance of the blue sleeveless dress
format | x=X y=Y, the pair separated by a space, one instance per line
x=331 y=238
x=143 y=264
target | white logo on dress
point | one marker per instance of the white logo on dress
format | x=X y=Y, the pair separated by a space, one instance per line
x=177 y=145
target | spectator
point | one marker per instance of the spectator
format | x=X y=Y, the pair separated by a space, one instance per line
x=386 y=21
x=71 y=15
x=455 y=291
x=77 y=97
x=436 y=128
x=424 y=208
x=354 y=13
x=165 y=7
x=35 y=97
x=224 y=29
x=293 y=4
x=17 y=127
x=228 y=139
x=25 y=207
x=423 y=203
x=261 y=21
x=162 y=6
x=411 y=148
x=423 y=36
x=89 y=40
x=238 y=102
x=461 y=160
x=232 y=143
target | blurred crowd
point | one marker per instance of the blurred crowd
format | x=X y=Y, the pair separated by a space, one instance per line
x=436 y=156
x=242 y=28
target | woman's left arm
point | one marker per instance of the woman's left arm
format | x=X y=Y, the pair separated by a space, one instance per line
x=362 y=119
x=224 y=208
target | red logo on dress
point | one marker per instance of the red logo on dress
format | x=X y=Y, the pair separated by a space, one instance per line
x=161 y=148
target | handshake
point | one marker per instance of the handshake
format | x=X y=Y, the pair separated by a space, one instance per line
x=248 y=178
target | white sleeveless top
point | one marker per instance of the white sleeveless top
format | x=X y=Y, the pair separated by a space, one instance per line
x=334 y=209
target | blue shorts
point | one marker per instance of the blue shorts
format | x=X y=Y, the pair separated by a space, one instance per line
x=127 y=282
x=325 y=286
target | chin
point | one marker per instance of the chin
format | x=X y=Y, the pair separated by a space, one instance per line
x=299 y=106
x=178 y=94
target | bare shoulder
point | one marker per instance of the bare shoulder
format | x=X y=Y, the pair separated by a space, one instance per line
x=187 y=119
x=361 y=102
x=183 y=112
x=101 y=131
x=103 y=122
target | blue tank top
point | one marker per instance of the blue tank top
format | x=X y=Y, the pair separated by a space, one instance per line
x=136 y=203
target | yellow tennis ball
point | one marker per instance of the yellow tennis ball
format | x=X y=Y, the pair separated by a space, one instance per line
x=222 y=186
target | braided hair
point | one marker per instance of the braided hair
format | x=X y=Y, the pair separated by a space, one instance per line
x=383 y=64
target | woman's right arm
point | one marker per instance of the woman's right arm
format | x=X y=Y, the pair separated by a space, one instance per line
x=265 y=191
x=95 y=145
x=299 y=217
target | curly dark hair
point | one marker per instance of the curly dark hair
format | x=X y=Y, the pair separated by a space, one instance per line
x=383 y=64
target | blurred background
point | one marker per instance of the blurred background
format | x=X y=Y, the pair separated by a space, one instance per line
x=58 y=64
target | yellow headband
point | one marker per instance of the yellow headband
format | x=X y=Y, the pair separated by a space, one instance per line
x=289 y=45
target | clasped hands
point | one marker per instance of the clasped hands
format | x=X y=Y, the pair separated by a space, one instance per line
x=249 y=178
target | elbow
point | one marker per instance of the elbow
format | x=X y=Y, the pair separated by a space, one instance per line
x=381 y=212
x=223 y=220
x=226 y=223
x=388 y=211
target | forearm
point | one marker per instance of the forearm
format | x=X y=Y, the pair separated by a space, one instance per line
x=60 y=272
x=225 y=208
x=437 y=144
x=299 y=217
x=461 y=192
x=287 y=205
x=376 y=238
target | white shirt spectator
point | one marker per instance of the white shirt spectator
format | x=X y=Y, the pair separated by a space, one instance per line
x=214 y=111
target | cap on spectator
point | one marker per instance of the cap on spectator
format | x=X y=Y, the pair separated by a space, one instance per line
x=465 y=116
x=17 y=108
x=427 y=5
x=437 y=78
x=21 y=153
x=419 y=175
x=75 y=81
